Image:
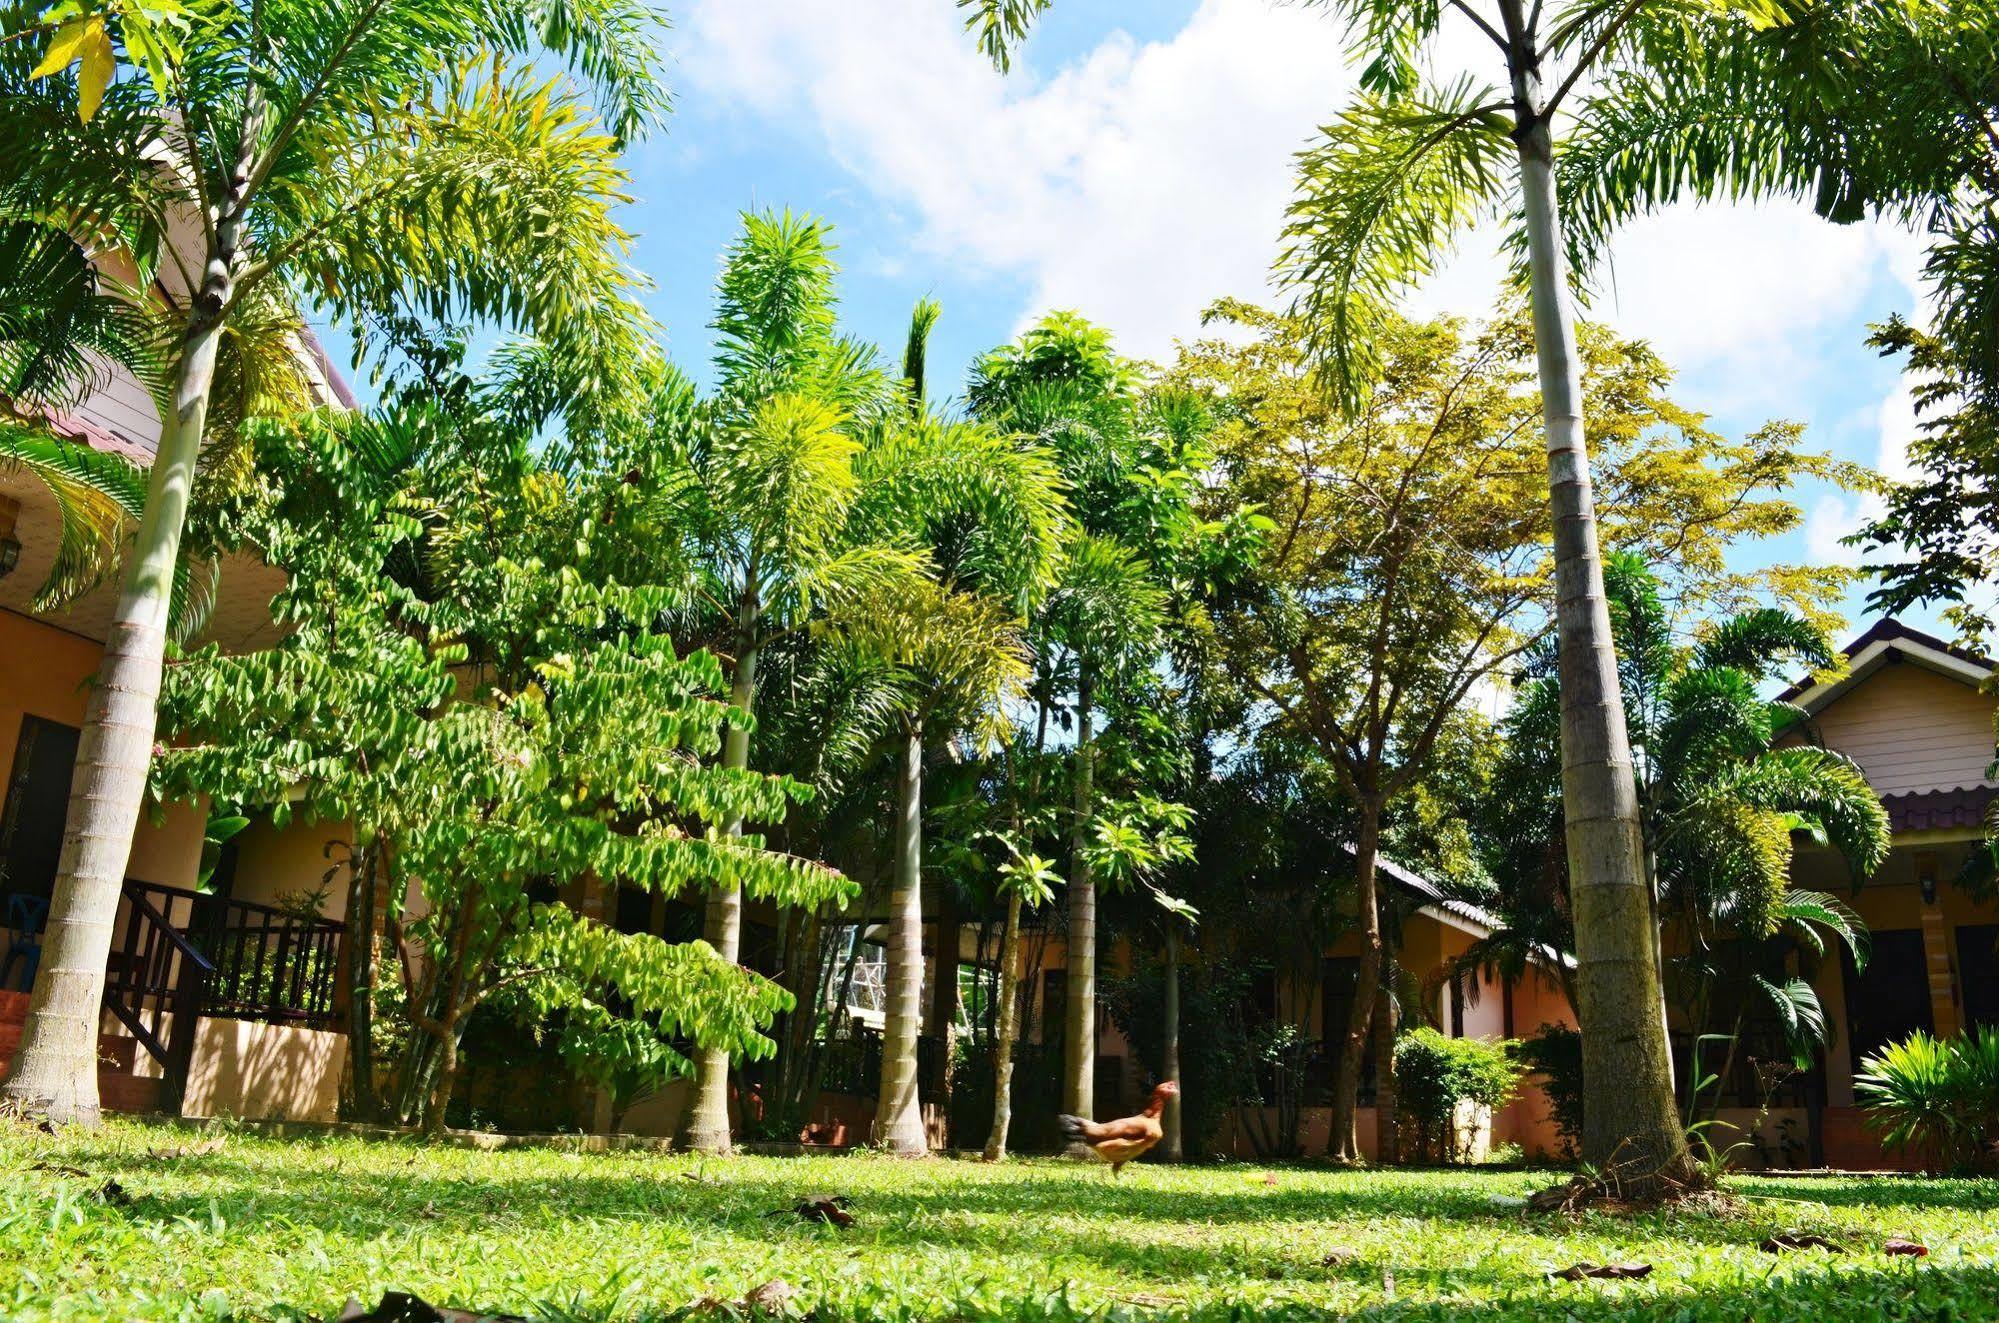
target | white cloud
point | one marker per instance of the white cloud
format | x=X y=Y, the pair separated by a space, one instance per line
x=1137 y=184
x=1143 y=180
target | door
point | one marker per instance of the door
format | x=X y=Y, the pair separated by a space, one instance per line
x=31 y=822
x=1978 y=972
x=1892 y=999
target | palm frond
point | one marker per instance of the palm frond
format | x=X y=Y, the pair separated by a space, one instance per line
x=1756 y=642
x=1381 y=198
x=1001 y=25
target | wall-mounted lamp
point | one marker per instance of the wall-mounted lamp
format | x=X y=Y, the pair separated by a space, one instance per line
x=10 y=546
x=1926 y=876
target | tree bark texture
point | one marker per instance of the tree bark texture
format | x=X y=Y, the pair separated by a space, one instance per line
x=1009 y=1030
x=705 y=1128
x=1170 y=1144
x=1344 y=1140
x=1079 y=1051
x=899 y=1111
x=1630 y=1127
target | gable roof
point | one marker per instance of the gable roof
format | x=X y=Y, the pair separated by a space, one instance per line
x=1886 y=642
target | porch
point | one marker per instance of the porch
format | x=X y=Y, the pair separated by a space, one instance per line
x=213 y=1006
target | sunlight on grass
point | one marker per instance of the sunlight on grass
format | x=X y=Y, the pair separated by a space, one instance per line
x=291 y=1229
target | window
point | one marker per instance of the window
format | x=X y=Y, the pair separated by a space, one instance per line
x=31 y=823
x=1054 y=1004
x=1978 y=972
x=1892 y=999
x=634 y=913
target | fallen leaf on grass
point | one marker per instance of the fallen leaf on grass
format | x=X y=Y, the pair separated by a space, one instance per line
x=1612 y=1271
x=1798 y=1240
x=1907 y=1248
x=773 y=1297
x=59 y=1168
x=1339 y=1254
x=820 y=1208
x=1149 y=1300
x=401 y=1307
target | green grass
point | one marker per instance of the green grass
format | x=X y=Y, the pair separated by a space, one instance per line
x=290 y=1229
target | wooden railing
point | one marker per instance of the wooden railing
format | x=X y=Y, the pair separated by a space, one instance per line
x=156 y=982
x=265 y=963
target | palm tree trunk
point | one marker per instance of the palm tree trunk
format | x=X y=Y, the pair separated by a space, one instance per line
x=1009 y=1029
x=1170 y=1055
x=899 y=1112
x=705 y=1129
x=1079 y=1084
x=1630 y=1121
x=1344 y=1140
x=55 y=1071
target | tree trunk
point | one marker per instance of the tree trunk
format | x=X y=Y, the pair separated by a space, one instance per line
x=447 y=1079
x=55 y=1069
x=1630 y=1122
x=1009 y=1029
x=366 y=1101
x=1344 y=1141
x=1170 y=1054
x=943 y=1029
x=705 y=1128
x=1079 y=1084
x=899 y=1112
x=1387 y=1103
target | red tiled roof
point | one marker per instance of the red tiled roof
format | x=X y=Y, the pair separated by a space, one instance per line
x=1939 y=810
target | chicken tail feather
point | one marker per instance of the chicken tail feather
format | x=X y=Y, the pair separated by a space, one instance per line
x=1075 y=1136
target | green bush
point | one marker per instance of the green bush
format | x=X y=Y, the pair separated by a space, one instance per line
x=1435 y=1073
x=1555 y=1053
x=1936 y=1097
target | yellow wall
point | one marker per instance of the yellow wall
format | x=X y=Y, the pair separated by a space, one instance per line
x=43 y=673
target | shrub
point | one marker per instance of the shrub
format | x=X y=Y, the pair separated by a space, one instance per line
x=1555 y=1053
x=1434 y=1074
x=1937 y=1097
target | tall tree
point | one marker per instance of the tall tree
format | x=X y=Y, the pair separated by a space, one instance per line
x=1413 y=549
x=760 y=480
x=989 y=518
x=326 y=152
x=1381 y=198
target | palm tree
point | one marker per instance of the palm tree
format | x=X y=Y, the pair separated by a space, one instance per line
x=1062 y=385
x=1726 y=781
x=329 y=151
x=989 y=517
x=761 y=481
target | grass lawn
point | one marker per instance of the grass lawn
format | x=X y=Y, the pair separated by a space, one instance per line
x=263 y=1228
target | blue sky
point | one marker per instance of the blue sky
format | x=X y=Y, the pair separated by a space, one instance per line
x=1135 y=167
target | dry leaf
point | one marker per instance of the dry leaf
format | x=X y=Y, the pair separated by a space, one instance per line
x=771 y=1298
x=1912 y=1249
x=1339 y=1254
x=1149 y=1300
x=1609 y=1271
x=1798 y=1240
x=400 y=1307
x=59 y=1168
x=823 y=1208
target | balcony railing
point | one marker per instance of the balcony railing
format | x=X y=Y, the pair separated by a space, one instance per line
x=263 y=963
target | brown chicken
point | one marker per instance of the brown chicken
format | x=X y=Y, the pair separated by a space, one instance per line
x=1118 y=1142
